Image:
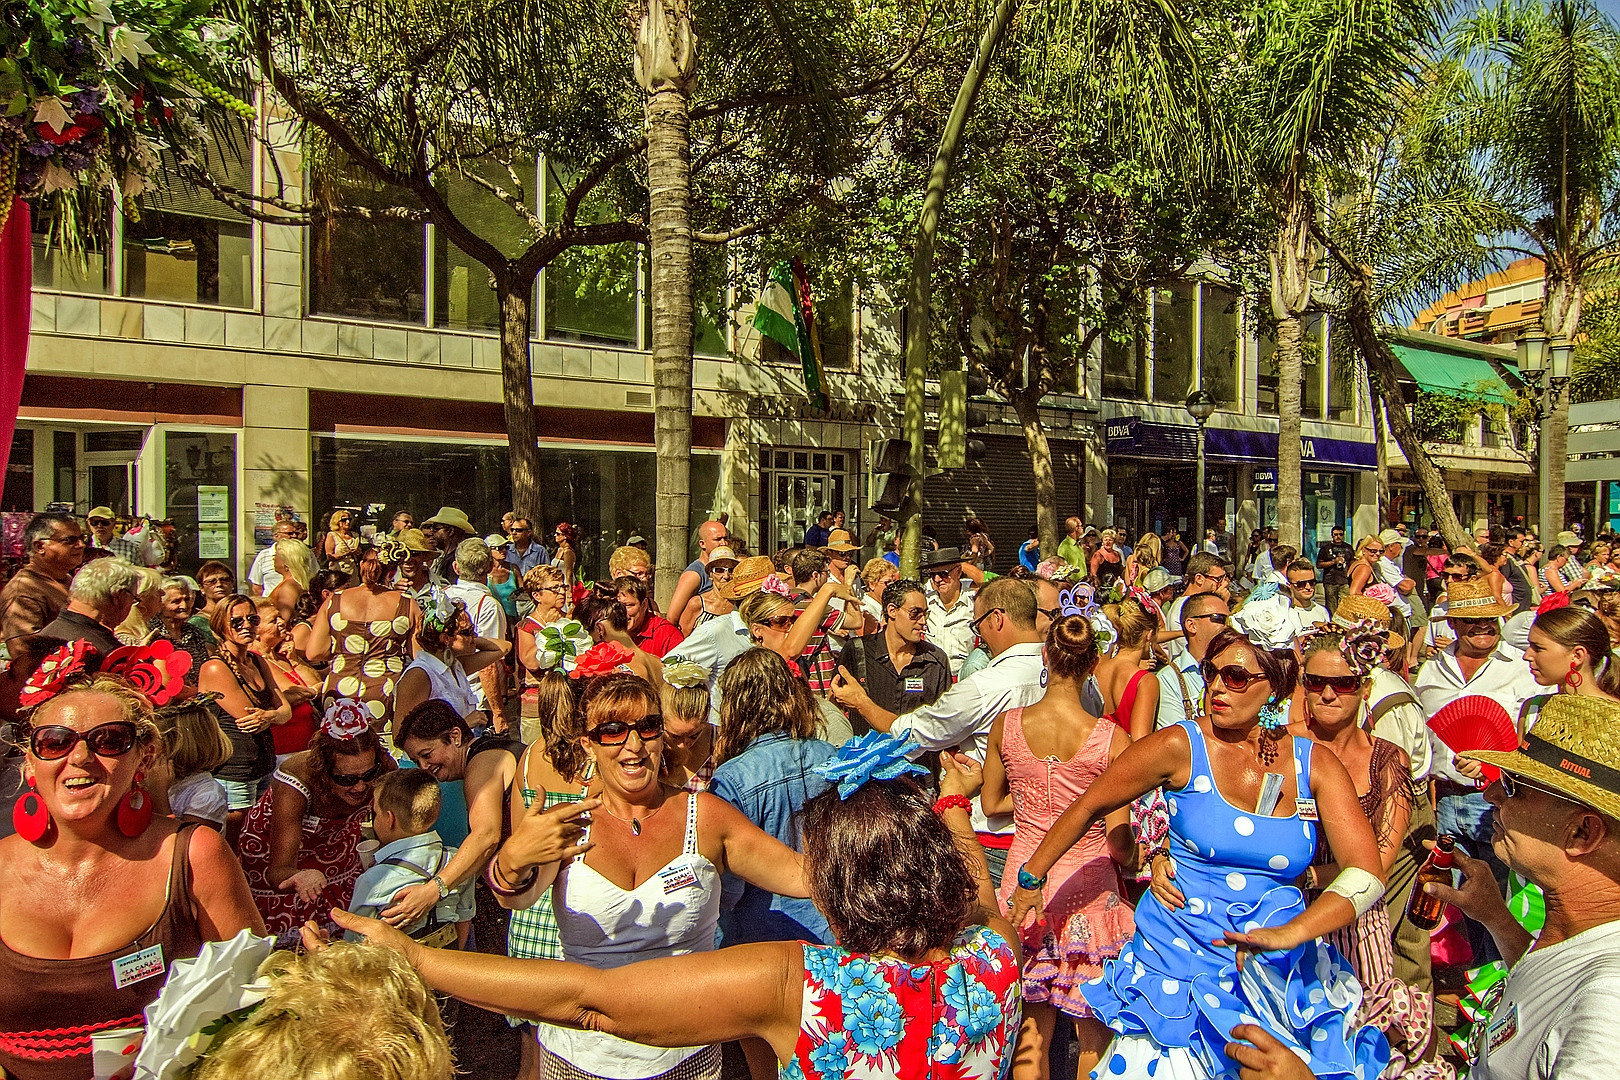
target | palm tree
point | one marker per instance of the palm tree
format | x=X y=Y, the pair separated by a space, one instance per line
x=1545 y=105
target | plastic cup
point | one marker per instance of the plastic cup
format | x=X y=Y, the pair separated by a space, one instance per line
x=112 y=1052
x=368 y=853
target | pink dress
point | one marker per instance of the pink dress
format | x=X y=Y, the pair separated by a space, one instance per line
x=1087 y=918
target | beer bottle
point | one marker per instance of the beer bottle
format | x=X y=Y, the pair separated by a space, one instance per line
x=1424 y=911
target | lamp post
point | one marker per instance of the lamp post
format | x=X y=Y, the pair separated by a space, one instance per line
x=1200 y=406
x=1543 y=359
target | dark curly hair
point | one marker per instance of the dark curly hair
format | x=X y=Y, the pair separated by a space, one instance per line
x=325 y=750
x=885 y=871
x=1280 y=667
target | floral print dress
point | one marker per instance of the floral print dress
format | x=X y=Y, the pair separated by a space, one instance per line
x=873 y=1017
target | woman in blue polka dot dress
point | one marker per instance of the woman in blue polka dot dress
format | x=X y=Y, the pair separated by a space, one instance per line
x=1245 y=948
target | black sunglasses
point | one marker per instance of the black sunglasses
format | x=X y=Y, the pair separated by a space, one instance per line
x=976 y=623
x=1342 y=684
x=55 y=741
x=1237 y=679
x=1217 y=617
x=1511 y=786
x=1310 y=584
x=244 y=622
x=350 y=779
x=617 y=732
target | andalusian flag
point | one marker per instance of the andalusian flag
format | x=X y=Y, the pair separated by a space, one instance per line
x=786 y=315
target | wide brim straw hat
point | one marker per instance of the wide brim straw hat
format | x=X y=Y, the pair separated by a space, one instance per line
x=840 y=540
x=456 y=519
x=749 y=575
x=414 y=540
x=1574 y=749
x=1475 y=599
x=1354 y=608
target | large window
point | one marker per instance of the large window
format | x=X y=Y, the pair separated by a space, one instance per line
x=1190 y=340
x=368 y=268
x=1326 y=393
x=86 y=272
x=199 y=487
x=1174 y=341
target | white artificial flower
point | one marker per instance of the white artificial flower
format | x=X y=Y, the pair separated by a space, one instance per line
x=129 y=45
x=1271 y=622
x=52 y=111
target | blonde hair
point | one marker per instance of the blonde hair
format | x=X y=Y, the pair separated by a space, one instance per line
x=877 y=570
x=1131 y=620
x=759 y=606
x=135 y=627
x=542 y=577
x=192 y=741
x=350 y=1011
x=625 y=559
x=300 y=562
x=412 y=796
x=690 y=703
x=332 y=522
x=1149 y=551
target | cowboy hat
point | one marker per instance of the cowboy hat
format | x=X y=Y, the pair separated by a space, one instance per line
x=839 y=540
x=1473 y=598
x=747 y=578
x=1573 y=749
x=1354 y=608
x=449 y=515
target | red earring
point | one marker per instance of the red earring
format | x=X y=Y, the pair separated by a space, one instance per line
x=29 y=816
x=135 y=809
x=1573 y=680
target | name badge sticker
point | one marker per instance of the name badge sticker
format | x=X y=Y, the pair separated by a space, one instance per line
x=311 y=823
x=677 y=877
x=1503 y=1027
x=138 y=966
x=1306 y=809
x=914 y=684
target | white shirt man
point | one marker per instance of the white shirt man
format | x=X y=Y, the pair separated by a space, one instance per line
x=713 y=645
x=949 y=624
x=488 y=619
x=1504 y=678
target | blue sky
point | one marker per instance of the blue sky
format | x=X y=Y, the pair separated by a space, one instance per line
x=1611 y=8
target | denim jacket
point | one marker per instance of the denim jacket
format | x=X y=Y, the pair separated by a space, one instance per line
x=770 y=782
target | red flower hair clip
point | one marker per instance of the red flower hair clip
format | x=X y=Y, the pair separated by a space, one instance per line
x=345 y=719
x=1553 y=602
x=157 y=670
x=53 y=674
x=603 y=658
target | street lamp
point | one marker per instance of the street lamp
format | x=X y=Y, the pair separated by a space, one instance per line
x=1531 y=352
x=1543 y=359
x=1200 y=406
x=1561 y=351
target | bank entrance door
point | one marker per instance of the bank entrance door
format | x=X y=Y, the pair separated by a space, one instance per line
x=797 y=485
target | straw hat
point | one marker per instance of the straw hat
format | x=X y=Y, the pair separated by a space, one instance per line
x=1354 y=608
x=839 y=540
x=413 y=540
x=1474 y=599
x=456 y=519
x=1574 y=749
x=749 y=575
x=722 y=556
x=1569 y=539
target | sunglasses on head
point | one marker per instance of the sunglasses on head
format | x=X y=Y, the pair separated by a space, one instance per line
x=1236 y=679
x=244 y=622
x=617 y=732
x=350 y=779
x=1342 y=684
x=55 y=741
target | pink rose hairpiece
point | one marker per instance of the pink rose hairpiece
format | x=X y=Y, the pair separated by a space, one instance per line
x=775 y=586
x=1380 y=592
x=157 y=669
x=345 y=719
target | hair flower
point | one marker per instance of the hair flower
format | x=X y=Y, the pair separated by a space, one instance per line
x=1265 y=590
x=603 y=658
x=52 y=675
x=776 y=586
x=439 y=609
x=1384 y=594
x=877 y=755
x=1269 y=621
x=1363 y=646
x=391 y=552
x=1057 y=570
x=157 y=669
x=685 y=673
x=1553 y=602
x=345 y=719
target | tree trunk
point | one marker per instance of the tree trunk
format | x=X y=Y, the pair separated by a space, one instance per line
x=517 y=391
x=665 y=58
x=919 y=301
x=1040 y=463
x=1560 y=320
x=1381 y=493
x=1292 y=259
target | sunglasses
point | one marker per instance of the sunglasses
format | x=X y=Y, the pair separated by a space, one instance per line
x=719 y=571
x=1219 y=579
x=244 y=622
x=617 y=732
x=350 y=779
x=915 y=613
x=1511 y=785
x=55 y=741
x=100 y=521
x=218 y=581
x=1342 y=684
x=1474 y=626
x=1236 y=679
x=1217 y=617
x=779 y=622
x=976 y=623
x=1311 y=584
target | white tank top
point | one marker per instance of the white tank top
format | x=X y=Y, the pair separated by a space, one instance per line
x=672 y=913
x=447 y=683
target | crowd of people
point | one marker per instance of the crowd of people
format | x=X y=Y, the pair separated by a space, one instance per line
x=1130 y=808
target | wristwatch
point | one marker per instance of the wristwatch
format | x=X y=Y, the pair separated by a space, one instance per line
x=444 y=890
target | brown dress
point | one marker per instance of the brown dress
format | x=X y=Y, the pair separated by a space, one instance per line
x=50 y=1008
x=368 y=658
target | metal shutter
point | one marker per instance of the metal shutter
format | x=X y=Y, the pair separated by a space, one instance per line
x=1001 y=490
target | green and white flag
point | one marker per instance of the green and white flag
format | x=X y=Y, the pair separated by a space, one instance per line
x=780 y=316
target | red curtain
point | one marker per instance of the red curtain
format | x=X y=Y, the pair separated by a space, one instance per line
x=16 y=311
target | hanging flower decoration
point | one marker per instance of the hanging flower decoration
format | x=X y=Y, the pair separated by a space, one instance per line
x=877 y=755
x=54 y=673
x=684 y=673
x=345 y=719
x=91 y=90
x=157 y=670
x=603 y=658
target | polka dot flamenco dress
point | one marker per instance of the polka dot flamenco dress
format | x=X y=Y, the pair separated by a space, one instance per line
x=369 y=658
x=1172 y=998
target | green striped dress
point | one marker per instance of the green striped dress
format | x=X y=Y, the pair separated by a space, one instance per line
x=533 y=934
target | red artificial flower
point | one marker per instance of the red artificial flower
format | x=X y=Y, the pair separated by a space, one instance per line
x=603 y=658
x=580 y=593
x=1553 y=602
x=82 y=127
x=54 y=672
x=157 y=670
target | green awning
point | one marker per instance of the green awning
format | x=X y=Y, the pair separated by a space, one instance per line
x=1453 y=372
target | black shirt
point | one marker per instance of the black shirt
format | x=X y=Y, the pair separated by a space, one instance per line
x=921 y=683
x=1513 y=570
x=72 y=626
x=1335 y=549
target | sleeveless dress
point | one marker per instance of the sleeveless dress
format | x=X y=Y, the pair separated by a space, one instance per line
x=50 y=1008
x=345 y=551
x=296 y=733
x=868 y=1016
x=673 y=913
x=330 y=845
x=1087 y=920
x=368 y=658
x=1127 y=703
x=1172 y=997
x=532 y=933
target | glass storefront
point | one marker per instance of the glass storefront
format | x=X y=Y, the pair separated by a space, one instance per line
x=1325 y=502
x=606 y=493
x=1150 y=495
x=199 y=495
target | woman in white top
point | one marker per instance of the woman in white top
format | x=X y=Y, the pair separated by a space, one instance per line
x=448 y=650
x=650 y=885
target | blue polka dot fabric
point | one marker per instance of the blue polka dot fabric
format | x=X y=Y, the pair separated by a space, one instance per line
x=1172 y=997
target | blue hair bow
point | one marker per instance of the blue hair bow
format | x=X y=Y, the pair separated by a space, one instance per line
x=877 y=755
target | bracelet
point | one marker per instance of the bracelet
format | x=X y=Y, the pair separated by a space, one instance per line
x=952 y=802
x=1029 y=881
x=491 y=876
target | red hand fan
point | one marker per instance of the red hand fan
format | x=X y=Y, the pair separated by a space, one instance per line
x=1475 y=723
